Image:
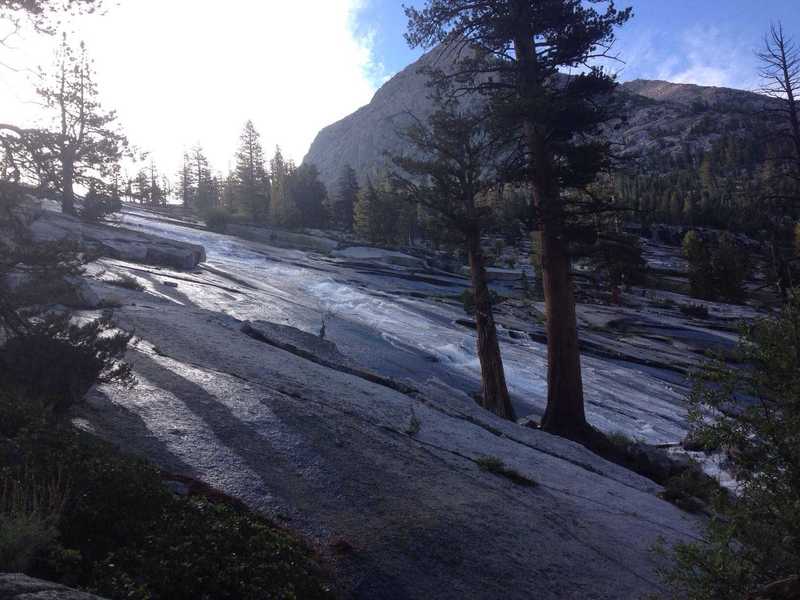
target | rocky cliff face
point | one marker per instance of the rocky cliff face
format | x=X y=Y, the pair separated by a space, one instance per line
x=659 y=120
x=363 y=138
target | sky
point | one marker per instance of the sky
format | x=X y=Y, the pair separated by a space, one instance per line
x=182 y=72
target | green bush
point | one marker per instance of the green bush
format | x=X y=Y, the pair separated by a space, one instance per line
x=692 y=490
x=116 y=530
x=217 y=219
x=96 y=206
x=716 y=271
x=619 y=258
x=126 y=281
x=56 y=360
x=205 y=550
x=699 y=311
x=752 y=540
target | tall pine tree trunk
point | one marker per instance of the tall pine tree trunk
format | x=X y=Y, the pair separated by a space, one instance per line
x=67 y=182
x=565 y=410
x=493 y=381
x=565 y=413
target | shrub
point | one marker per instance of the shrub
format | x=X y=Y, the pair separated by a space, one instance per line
x=217 y=219
x=663 y=303
x=126 y=281
x=699 y=311
x=716 y=270
x=205 y=550
x=699 y=257
x=99 y=202
x=752 y=540
x=730 y=267
x=413 y=426
x=621 y=440
x=692 y=490
x=55 y=361
x=619 y=258
x=116 y=530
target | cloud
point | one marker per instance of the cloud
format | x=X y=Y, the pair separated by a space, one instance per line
x=188 y=71
x=703 y=56
x=710 y=57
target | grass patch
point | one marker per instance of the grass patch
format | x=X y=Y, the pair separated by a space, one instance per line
x=29 y=512
x=492 y=464
x=82 y=513
x=413 y=426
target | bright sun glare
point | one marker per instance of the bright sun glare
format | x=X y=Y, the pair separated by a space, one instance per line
x=189 y=71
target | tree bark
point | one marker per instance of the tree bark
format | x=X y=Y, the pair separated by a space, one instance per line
x=67 y=193
x=564 y=415
x=494 y=391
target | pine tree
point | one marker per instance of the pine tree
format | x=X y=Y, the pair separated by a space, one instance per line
x=282 y=212
x=187 y=184
x=205 y=195
x=382 y=214
x=523 y=44
x=454 y=158
x=698 y=255
x=307 y=196
x=84 y=143
x=229 y=192
x=363 y=211
x=346 y=198
x=141 y=187
x=252 y=184
x=128 y=193
x=156 y=194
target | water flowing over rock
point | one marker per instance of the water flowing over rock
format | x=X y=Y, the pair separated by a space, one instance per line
x=365 y=440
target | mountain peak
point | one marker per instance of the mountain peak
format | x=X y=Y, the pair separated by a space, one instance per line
x=668 y=119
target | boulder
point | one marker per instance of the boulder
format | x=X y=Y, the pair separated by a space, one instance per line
x=655 y=463
x=73 y=292
x=285 y=336
x=116 y=242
